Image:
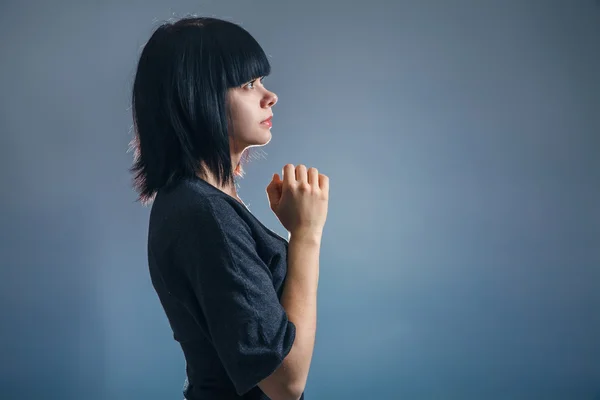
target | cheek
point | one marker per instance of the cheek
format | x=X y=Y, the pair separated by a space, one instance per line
x=235 y=118
x=243 y=115
x=241 y=123
x=234 y=108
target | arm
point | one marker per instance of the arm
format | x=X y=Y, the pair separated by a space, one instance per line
x=243 y=315
x=299 y=300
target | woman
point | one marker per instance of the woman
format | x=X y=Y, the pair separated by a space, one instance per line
x=241 y=300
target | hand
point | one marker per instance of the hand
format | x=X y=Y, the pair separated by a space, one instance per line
x=300 y=200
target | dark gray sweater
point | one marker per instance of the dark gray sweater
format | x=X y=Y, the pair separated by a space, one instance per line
x=219 y=275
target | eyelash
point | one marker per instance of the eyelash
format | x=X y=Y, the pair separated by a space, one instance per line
x=252 y=82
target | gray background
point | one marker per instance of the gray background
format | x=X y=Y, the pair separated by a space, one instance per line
x=461 y=257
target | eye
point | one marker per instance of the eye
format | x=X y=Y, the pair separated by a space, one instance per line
x=250 y=85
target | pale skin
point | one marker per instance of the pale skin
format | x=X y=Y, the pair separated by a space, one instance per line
x=300 y=202
x=249 y=106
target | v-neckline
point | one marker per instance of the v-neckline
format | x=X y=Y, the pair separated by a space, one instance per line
x=240 y=201
x=245 y=206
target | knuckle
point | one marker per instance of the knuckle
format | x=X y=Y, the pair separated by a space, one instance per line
x=304 y=187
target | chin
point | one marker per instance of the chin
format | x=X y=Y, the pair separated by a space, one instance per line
x=263 y=139
x=269 y=137
x=256 y=141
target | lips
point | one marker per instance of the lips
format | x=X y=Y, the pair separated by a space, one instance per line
x=267 y=122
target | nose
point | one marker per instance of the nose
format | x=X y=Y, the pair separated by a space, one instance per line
x=270 y=99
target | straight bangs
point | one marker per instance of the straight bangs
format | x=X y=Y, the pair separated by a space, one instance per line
x=179 y=101
x=242 y=58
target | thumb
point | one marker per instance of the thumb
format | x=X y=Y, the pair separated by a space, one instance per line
x=274 y=189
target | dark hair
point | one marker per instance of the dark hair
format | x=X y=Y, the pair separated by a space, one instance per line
x=180 y=115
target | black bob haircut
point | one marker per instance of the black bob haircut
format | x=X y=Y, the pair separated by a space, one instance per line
x=180 y=114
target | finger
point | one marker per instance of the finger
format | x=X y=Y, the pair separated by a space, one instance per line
x=301 y=174
x=289 y=175
x=271 y=187
x=313 y=177
x=273 y=183
x=324 y=183
x=277 y=183
x=274 y=192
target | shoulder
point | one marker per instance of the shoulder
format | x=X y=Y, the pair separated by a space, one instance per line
x=192 y=207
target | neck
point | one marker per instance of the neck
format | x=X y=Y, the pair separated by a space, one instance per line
x=229 y=189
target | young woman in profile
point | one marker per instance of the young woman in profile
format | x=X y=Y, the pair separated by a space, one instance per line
x=241 y=300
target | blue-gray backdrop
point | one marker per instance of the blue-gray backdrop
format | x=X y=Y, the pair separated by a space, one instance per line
x=461 y=257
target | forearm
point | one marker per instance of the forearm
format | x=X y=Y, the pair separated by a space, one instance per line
x=299 y=299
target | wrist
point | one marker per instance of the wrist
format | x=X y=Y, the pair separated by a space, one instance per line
x=312 y=236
